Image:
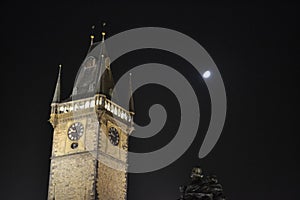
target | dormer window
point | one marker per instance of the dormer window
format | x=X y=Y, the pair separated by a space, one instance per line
x=90 y=62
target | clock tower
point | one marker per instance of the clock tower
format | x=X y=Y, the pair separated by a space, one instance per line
x=90 y=137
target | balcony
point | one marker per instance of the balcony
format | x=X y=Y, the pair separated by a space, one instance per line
x=97 y=102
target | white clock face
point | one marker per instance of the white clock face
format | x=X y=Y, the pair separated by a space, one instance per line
x=75 y=131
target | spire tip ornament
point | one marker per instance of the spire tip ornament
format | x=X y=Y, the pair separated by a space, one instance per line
x=103 y=32
x=92 y=35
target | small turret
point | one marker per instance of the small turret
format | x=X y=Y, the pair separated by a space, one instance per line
x=56 y=100
x=56 y=96
x=131 y=102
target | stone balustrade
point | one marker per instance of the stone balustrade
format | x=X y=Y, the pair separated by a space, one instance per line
x=97 y=102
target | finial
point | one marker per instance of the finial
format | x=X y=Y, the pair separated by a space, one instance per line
x=92 y=39
x=92 y=35
x=103 y=32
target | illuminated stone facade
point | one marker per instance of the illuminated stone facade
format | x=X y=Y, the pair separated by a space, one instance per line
x=95 y=168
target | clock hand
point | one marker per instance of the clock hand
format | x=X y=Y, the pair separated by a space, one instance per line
x=72 y=130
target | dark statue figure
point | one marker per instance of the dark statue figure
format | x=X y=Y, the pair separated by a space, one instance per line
x=202 y=187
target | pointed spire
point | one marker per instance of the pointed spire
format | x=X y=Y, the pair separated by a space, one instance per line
x=131 y=102
x=56 y=97
x=106 y=83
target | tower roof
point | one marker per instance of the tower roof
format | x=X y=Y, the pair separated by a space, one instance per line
x=94 y=75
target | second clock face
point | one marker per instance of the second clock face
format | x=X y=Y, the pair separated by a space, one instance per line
x=113 y=136
x=75 y=131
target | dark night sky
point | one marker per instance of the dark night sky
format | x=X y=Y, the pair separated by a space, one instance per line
x=253 y=45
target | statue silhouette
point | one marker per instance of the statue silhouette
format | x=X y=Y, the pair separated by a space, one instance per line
x=202 y=187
